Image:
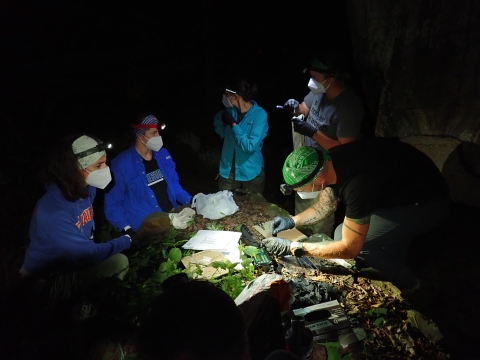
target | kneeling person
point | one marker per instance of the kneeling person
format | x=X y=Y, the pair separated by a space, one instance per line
x=145 y=179
x=392 y=192
x=62 y=253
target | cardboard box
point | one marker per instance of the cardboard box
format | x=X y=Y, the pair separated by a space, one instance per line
x=204 y=258
x=292 y=234
x=326 y=320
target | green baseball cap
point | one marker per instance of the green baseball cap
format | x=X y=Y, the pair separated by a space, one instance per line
x=302 y=165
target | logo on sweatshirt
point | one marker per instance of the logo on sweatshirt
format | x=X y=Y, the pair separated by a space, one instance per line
x=85 y=216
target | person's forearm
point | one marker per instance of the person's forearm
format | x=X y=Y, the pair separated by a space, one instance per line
x=328 y=250
x=324 y=207
x=307 y=217
x=324 y=141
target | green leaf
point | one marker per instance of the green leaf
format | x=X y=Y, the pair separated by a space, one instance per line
x=250 y=251
x=379 y=321
x=175 y=255
x=163 y=267
x=382 y=311
x=219 y=264
x=333 y=350
x=361 y=334
x=180 y=242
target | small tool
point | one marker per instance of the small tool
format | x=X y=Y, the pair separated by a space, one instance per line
x=279 y=107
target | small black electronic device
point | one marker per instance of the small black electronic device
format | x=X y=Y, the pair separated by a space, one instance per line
x=261 y=259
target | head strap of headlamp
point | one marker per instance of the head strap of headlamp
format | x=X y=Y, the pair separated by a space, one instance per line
x=98 y=148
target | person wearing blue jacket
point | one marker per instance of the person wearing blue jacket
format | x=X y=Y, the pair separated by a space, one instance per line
x=62 y=251
x=242 y=126
x=144 y=179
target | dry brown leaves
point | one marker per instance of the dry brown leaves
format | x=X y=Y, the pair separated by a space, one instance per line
x=390 y=338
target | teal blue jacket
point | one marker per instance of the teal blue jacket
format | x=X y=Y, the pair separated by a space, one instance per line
x=245 y=140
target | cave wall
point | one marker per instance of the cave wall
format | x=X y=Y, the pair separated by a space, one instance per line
x=419 y=66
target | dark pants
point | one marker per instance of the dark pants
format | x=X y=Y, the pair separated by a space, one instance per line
x=61 y=286
x=256 y=185
x=390 y=234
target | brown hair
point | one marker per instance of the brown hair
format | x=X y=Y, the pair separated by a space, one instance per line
x=62 y=168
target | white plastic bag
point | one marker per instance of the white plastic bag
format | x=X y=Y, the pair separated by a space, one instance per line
x=215 y=206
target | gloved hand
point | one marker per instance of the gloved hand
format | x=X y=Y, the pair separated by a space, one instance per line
x=277 y=246
x=291 y=105
x=282 y=223
x=302 y=127
x=227 y=117
x=132 y=234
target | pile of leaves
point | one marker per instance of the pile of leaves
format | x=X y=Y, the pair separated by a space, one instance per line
x=388 y=329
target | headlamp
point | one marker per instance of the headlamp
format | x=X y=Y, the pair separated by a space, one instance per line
x=98 y=148
x=286 y=189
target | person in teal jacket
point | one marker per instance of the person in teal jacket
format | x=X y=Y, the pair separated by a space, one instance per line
x=242 y=126
x=144 y=179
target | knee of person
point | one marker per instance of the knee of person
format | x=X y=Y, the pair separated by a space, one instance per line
x=119 y=266
x=338 y=232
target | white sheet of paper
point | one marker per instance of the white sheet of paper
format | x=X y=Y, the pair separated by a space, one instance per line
x=224 y=241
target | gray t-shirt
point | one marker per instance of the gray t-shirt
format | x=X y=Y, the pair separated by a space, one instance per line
x=339 y=117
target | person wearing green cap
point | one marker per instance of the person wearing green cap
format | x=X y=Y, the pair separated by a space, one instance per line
x=330 y=115
x=392 y=193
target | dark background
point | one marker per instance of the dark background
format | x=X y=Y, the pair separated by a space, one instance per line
x=71 y=67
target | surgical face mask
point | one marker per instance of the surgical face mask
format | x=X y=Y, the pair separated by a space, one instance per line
x=309 y=195
x=155 y=143
x=226 y=102
x=99 y=178
x=316 y=87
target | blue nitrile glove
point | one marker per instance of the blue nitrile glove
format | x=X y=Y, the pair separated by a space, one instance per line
x=291 y=105
x=227 y=118
x=282 y=223
x=277 y=246
x=302 y=127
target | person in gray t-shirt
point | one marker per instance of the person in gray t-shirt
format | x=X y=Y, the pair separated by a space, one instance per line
x=330 y=115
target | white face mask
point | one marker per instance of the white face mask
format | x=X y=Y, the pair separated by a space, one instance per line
x=226 y=102
x=316 y=87
x=99 y=178
x=155 y=143
x=309 y=195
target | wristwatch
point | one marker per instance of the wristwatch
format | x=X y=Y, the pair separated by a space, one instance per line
x=299 y=252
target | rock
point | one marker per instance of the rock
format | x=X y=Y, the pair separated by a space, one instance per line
x=155 y=227
x=427 y=328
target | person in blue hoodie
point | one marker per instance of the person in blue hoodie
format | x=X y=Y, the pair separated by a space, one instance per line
x=144 y=179
x=62 y=252
x=242 y=126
